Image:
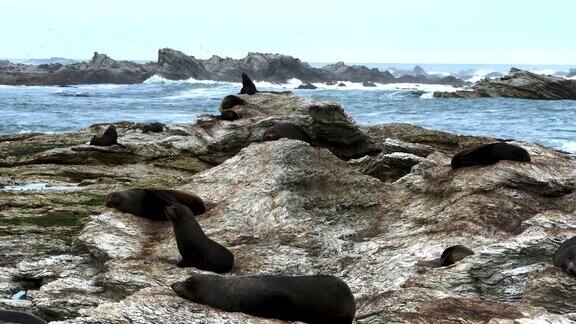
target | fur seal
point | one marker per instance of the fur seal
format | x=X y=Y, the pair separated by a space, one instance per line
x=196 y=248
x=230 y=115
x=489 y=154
x=154 y=127
x=285 y=130
x=19 y=317
x=565 y=256
x=109 y=138
x=248 y=86
x=150 y=203
x=231 y=101
x=311 y=299
x=454 y=254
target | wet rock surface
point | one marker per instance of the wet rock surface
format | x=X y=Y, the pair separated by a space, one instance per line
x=367 y=204
x=519 y=84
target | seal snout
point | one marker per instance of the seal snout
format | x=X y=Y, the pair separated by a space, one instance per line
x=182 y=290
x=111 y=201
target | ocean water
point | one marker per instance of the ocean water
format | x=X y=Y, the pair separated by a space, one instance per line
x=62 y=109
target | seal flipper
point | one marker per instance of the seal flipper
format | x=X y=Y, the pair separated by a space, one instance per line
x=184 y=263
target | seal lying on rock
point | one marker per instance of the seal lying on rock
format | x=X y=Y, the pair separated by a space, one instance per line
x=489 y=154
x=231 y=101
x=230 y=115
x=454 y=254
x=311 y=299
x=565 y=256
x=109 y=138
x=154 y=127
x=19 y=317
x=197 y=249
x=285 y=130
x=248 y=86
x=150 y=203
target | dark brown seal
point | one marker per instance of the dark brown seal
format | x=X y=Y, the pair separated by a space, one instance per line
x=489 y=154
x=196 y=248
x=565 y=256
x=109 y=138
x=285 y=130
x=154 y=127
x=230 y=115
x=454 y=254
x=150 y=203
x=7 y=316
x=311 y=299
x=231 y=101
x=248 y=86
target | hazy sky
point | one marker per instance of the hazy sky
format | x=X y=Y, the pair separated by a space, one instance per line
x=393 y=31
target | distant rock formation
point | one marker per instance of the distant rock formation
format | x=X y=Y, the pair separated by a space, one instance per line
x=571 y=73
x=307 y=86
x=342 y=72
x=519 y=84
x=175 y=65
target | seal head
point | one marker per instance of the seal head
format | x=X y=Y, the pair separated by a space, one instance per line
x=454 y=254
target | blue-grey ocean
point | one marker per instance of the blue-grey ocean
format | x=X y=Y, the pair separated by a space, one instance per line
x=61 y=109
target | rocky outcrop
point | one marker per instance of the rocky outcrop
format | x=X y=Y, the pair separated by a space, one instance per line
x=571 y=73
x=100 y=69
x=175 y=65
x=342 y=72
x=367 y=204
x=519 y=84
x=307 y=86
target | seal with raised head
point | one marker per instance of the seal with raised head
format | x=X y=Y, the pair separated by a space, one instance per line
x=196 y=248
x=230 y=115
x=231 y=101
x=285 y=130
x=7 y=316
x=565 y=256
x=154 y=127
x=150 y=203
x=454 y=254
x=109 y=138
x=248 y=86
x=311 y=299
x=487 y=154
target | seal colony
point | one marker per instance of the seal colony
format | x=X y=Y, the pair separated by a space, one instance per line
x=317 y=299
x=312 y=299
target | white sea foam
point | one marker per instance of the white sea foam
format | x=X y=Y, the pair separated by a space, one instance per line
x=569 y=147
x=479 y=75
x=439 y=73
x=294 y=83
x=158 y=79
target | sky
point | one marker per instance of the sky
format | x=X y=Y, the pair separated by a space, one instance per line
x=360 y=31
